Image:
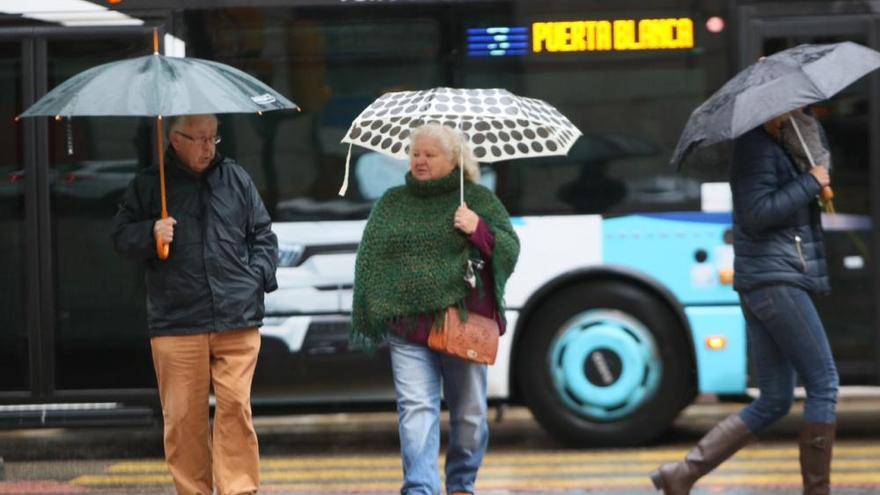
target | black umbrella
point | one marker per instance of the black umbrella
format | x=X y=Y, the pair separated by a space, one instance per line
x=771 y=87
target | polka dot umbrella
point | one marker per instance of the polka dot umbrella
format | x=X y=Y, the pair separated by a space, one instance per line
x=498 y=124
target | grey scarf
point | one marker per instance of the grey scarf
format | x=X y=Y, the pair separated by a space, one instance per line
x=811 y=132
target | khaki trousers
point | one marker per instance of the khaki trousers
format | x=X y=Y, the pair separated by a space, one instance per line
x=186 y=367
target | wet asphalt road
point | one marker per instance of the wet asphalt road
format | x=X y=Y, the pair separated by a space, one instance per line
x=357 y=453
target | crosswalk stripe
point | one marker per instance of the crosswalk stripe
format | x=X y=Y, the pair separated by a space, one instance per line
x=550 y=468
x=854 y=465
x=557 y=457
x=866 y=471
x=784 y=479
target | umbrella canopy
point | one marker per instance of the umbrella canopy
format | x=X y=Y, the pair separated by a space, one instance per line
x=155 y=85
x=158 y=86
x=774 y=86
x=498 y=124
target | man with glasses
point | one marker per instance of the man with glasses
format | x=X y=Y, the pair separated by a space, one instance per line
x=204 y=303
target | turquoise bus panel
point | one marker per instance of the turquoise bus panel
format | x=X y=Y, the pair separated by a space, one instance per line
x=685 y=252
x=722 y=371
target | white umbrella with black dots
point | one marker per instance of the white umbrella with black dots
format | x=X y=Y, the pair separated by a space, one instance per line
x=498 y=124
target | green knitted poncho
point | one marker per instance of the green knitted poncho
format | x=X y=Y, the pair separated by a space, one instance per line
x=412 y=261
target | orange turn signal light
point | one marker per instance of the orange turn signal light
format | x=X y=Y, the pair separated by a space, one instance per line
x=716 y=343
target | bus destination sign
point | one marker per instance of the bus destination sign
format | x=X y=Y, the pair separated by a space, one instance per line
x=616 y=35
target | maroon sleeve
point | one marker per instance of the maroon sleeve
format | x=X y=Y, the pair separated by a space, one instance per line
x=483 y=240
x=483 y=302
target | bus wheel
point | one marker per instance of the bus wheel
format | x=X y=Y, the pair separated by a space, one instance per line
x=604 y=364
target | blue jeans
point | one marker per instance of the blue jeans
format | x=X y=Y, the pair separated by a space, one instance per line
x=418 y=373
x=786 y=337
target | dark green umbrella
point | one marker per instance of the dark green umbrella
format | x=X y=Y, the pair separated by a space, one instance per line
x=159 y=86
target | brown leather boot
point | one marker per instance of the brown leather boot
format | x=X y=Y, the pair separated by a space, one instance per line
x=722 y=441
x=815 y=442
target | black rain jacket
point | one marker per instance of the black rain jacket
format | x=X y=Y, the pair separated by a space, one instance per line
x=223 y=256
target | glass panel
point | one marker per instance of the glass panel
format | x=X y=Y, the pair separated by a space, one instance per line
x=847 y=312
x=100 y=328
x=631 y=108
x=332 y=68
x=13 y=331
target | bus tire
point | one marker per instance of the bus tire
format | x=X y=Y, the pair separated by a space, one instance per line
x=604 y=364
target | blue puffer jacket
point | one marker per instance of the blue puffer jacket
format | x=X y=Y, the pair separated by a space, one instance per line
x=777 y=234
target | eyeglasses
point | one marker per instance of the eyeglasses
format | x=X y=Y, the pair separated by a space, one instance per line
x=203 y=141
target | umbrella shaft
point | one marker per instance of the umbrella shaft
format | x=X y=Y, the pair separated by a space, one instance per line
x=801 y=139
x=162 y=249
x=160 y=150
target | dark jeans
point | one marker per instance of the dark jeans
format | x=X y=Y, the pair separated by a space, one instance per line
x=786 y=336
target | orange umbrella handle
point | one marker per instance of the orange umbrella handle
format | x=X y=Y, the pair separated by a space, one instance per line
x=827 y=196
x=162 y=250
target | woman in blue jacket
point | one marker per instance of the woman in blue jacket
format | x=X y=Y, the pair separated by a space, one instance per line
x=780 y=261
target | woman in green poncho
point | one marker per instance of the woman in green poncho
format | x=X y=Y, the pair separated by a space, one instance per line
x=411 y=265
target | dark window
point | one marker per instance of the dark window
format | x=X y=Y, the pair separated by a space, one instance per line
x=99 y=295
x=13 y=331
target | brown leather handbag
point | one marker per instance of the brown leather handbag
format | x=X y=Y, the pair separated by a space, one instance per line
x=474 y=340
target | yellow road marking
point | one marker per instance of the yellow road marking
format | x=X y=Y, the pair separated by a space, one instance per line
x=853 y=465
x=373 y=461
x=865 y=470
x=555 y=468
x=793 y=479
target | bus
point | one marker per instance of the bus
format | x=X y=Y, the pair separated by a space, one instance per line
x=621 y=310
